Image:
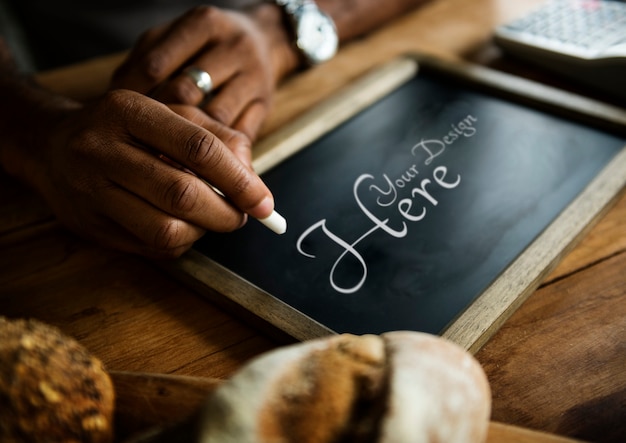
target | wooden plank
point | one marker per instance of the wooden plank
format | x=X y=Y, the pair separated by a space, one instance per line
x=144 y=401
x=500 y=432
x=84 y=80
x=226 y=289
x=604 y=240
x=123 y=309
x=558 y=363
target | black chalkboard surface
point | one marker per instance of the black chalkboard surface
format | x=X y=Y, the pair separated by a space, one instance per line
x=403 y=215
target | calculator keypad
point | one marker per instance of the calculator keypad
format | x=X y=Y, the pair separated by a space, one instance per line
x=584 y=28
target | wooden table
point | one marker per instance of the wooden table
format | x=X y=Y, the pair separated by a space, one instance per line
x=558 y=365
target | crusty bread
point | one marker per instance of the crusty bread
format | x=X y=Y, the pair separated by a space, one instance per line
x=51 y=388
x=400 y=387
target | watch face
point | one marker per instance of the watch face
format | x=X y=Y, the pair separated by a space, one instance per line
x=317 y=36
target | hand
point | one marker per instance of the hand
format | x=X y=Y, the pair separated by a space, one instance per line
x=229 y=45
x=100 y=172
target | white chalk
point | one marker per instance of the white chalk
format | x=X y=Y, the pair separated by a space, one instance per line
x=275 y=222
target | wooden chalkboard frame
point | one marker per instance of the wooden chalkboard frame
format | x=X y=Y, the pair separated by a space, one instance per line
x=473 y=327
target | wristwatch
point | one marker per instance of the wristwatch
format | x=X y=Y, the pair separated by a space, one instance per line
x=315 y=33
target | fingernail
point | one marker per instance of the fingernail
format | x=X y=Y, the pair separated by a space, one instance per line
x=263 y=209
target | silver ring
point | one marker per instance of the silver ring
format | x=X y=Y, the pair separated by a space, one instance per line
x=201 y=78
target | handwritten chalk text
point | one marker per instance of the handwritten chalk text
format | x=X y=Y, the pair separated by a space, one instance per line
x=384 y=192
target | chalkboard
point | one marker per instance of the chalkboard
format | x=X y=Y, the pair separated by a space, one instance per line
x=403 y=215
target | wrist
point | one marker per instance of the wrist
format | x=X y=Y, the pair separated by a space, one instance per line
x=271 y=21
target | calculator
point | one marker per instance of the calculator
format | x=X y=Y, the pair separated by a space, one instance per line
x=582 y=39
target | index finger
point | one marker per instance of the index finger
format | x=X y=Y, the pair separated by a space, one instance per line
x=237 y=141
x=203 y=153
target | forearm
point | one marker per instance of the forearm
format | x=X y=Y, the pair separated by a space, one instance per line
x=271 y=21
x=354 y=18
x=27 y=115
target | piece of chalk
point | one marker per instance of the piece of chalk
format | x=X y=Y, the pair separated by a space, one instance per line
x=275 y=222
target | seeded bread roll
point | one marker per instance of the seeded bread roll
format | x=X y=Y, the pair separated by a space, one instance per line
x=400 y=387
x=51 y=388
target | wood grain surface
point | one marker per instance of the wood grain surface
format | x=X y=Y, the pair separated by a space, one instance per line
x=557 y=365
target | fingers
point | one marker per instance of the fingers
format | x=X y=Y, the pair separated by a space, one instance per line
x=239 y=76
x=154 y=229
x=203 y=153
x=221 y=62
x=227 y=105
x=224 y=44
x=153 y=207
x=163 y=51
x=178 y=194
x=236 y=139
x=249 y=123
x=153 y=234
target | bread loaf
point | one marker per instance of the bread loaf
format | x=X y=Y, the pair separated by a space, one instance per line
x=400 y=387
x=51 y=388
